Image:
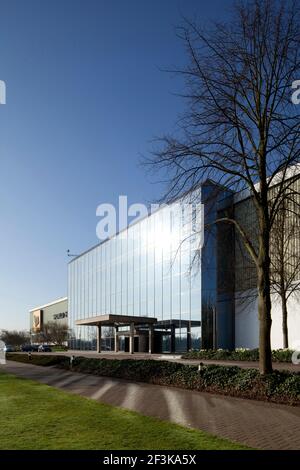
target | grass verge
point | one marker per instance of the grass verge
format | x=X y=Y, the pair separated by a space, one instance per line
x=35 y=416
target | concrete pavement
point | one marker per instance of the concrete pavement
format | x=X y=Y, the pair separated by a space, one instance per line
x=256 y=424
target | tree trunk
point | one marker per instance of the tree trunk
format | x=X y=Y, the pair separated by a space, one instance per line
x=284 y=321
x=264 y=300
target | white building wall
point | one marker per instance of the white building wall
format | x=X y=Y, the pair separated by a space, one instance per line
x=246 y=321
x=293 y=322
x=247 y=327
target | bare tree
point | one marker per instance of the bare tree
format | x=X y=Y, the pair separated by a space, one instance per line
x=54 y=332
x=285 y=258
x=15 y=338
x=240 y=127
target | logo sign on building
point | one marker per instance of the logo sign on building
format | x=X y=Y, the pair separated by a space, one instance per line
x=37 y=320
x=60 y=316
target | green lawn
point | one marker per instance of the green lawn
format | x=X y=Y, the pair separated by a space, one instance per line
x=36 y=416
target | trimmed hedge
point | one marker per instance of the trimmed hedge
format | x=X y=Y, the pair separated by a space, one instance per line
x=38 y=360
x=279 y=387
x=278 y=355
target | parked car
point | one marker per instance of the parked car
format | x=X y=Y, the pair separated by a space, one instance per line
x=44 y=348
x=29 y=348
x=8 y=348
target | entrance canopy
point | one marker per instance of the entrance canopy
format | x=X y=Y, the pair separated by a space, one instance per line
x=137 y=327
x=120 y=320
x=178 y=323
x=112 y=320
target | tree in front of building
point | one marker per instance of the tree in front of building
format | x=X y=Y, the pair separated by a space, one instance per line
x=54 y=333
x=240 y=128
x=285 y=257
x=15 y=338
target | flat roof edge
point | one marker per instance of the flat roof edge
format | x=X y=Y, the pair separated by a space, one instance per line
x=57 y=301
x=114 y=318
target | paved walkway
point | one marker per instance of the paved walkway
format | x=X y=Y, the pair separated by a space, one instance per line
x=256 y=424
x=175 y=358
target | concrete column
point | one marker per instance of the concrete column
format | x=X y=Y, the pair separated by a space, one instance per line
x=99 y=338
x=116 y=340
x=189 y=338
x=131 y=339
x=151 y=339
x=172 y=339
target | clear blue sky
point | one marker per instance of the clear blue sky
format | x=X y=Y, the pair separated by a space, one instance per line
x=85 y=95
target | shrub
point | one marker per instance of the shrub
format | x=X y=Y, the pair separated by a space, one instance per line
x=282 y=355
x=39 y=360
x=280 y=386
x=245 y=379
x=290 y=386
x=278 y=355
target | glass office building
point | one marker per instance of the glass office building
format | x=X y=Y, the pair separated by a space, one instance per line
x=155 y=287
x=144 y=271
x=156 y=282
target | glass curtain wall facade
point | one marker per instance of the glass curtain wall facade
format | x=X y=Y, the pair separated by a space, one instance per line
x=286 y=230
x=217 y=264
x=145 y=270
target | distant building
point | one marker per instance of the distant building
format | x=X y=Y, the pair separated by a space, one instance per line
x=56 y=311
